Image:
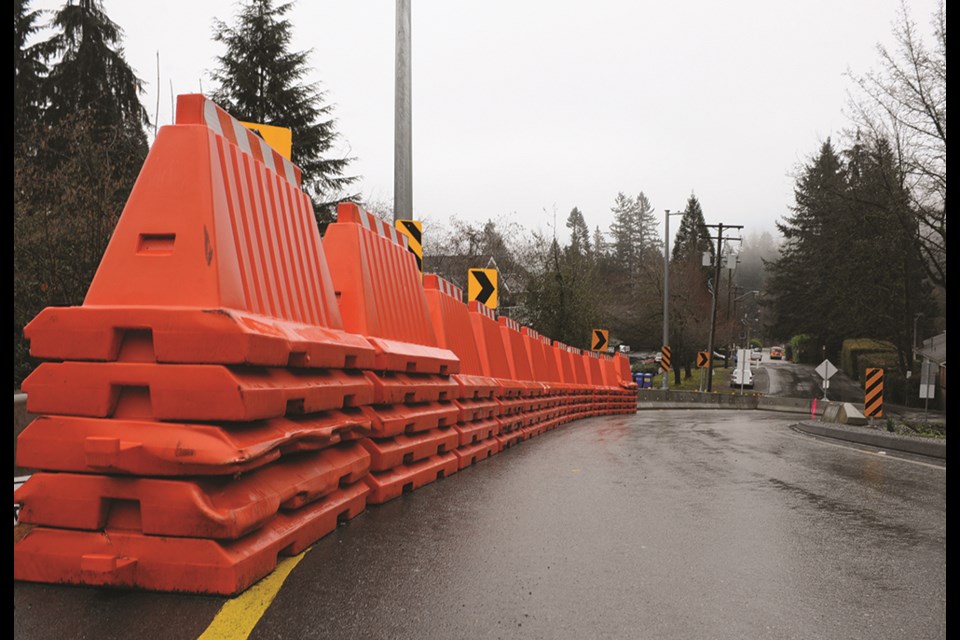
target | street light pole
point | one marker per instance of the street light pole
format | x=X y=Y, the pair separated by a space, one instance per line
x=666 y=289
x=402 y=119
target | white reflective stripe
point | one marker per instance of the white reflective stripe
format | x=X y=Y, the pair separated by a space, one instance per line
x=241 y=134
x=364 y=219
x=210 y=116
x=267 y=152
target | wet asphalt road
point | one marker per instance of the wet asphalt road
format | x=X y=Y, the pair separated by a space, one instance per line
x=679 y=524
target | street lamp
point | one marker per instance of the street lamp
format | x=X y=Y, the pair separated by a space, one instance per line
x=666 y=287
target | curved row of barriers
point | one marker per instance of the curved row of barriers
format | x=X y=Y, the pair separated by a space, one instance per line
x=233 y=385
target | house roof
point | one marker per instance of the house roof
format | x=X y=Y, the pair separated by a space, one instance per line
x=935 y=349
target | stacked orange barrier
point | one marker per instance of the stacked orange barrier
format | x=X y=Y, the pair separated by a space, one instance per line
x=478 y=409
x=233 y=386
x=495 y=364
x=202 y=417
x=381 y=296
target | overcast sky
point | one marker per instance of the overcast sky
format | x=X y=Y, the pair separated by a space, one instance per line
x=524 y=109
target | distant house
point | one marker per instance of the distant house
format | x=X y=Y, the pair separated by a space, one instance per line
x=935 y=350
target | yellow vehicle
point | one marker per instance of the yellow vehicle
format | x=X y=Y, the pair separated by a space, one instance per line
x=776 y=353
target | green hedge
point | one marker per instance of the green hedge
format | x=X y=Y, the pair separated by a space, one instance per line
x=802 y=348
x=859 y=354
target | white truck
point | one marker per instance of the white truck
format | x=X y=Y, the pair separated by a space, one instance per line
x=742 y=375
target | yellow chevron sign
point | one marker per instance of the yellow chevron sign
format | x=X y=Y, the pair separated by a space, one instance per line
x=600 y=340
x=413 y=230
x=279 y=138
x=482 y=286
x=703 y=359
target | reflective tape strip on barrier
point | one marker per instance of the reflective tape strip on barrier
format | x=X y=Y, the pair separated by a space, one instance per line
x=141 y=447
x=189 y=392
x=118 y=558
x=224 y=508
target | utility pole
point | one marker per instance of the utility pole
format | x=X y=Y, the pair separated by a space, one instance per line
x=716 y=294
x=402 y=120
x=664 y=383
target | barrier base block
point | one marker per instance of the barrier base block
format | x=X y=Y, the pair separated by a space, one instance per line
x=387 y=485
x=473 y=453
x=389 y=453
x=190 y=565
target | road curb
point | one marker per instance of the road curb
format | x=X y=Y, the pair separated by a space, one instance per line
x=933 y=448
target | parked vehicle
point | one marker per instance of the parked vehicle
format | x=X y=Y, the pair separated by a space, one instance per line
x=742 y=377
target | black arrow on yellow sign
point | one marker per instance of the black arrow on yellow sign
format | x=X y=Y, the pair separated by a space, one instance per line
x=599 y=340
x=482 y=286
x=413 y=229
x=703 y=359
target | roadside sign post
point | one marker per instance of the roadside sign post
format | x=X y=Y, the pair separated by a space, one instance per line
x=927 y=385
x=826 y=370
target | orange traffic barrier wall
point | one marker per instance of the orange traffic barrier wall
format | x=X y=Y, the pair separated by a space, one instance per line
x=143 y=447
x=493 y=355
x=223 y=508
x=380 y=293
x=233 y=386
x=122 y=558
x=451 y=322
x=216 y=258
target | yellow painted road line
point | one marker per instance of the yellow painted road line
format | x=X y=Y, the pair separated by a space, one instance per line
x=238 y=616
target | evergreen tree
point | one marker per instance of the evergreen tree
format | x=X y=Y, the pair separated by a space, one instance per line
x=90 y=73
x=84 y=146
x=645 y=224
x=29 y=69
x=624 y=234
x=261 y=80
x=579 y=233
x=801 y=277
x=846 y=269
x=693 y=237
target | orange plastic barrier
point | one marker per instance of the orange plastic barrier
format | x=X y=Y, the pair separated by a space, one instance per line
x=451 y=322
x=405 y=478
x=390 y=388
x=219 y=508
x=473 y=453
x=476 y=431
x=380 y=293
x=469 y=410
x=94 y=445
x=519 y=361
x=389 y=453
x=189 y=391
x=120 y=558
x=216 y=259
x=392 y=420
x=493 y=355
